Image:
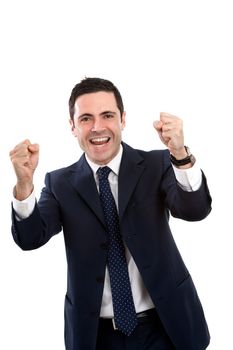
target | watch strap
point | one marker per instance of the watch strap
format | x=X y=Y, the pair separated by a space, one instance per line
x=179 y=162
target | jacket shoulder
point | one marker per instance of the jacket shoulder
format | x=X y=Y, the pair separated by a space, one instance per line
x=56 y=173
x=158 y=155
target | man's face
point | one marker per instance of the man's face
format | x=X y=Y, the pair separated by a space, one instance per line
x=98 y=124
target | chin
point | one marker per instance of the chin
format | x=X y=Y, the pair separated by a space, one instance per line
x=101 y=161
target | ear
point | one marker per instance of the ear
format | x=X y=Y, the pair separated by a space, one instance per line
x=73 y=129
x=123 y=120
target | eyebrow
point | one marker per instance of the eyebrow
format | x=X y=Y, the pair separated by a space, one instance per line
x=91 y=115
x=108 y=112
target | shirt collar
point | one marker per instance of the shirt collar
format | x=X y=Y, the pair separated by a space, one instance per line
x=114 y=164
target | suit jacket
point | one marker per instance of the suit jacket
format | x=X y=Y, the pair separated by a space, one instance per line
x=148 y=194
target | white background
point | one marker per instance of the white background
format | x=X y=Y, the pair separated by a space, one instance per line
x=173 y=56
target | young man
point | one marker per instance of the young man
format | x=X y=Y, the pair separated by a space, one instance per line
x=128 y=287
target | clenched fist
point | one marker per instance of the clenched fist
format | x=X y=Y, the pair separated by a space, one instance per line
x=24 y=157
x=170 y=130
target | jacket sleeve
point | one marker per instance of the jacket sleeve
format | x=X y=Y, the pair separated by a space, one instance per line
x=41 y=225
x=190 y=206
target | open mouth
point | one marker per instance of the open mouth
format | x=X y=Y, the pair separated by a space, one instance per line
x=99 y=141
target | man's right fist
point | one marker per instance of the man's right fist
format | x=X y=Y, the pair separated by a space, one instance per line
x=24 y=157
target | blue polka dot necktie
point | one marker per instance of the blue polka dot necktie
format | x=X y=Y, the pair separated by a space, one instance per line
x=125 y=317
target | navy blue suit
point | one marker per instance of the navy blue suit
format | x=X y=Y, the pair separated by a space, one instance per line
x=148 y=193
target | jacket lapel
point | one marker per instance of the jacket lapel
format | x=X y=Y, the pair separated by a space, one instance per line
x=131 y=170
x=82 y=179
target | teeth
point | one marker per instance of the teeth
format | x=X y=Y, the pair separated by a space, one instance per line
x=100 y=139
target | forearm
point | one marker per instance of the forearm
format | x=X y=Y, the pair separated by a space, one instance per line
x=28 y=232
x=34 y=224
x=190 y=205
x=186 y=192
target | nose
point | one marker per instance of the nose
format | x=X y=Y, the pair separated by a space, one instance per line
x=97 y=124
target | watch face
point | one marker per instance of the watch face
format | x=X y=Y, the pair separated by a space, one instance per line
x=193 y=159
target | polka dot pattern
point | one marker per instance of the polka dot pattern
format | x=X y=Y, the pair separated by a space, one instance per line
x=123 y=306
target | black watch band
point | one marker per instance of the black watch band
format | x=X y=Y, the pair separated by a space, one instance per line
x=179 y=162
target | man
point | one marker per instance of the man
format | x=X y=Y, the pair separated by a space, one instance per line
x=128 y=287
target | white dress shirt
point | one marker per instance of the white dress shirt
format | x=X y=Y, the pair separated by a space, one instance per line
x=189 y=179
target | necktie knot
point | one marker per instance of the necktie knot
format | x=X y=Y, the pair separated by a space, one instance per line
x=103 y=172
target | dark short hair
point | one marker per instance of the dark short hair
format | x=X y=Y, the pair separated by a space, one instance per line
x=89 y=85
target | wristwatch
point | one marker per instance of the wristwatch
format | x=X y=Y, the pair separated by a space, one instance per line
x=179 y=162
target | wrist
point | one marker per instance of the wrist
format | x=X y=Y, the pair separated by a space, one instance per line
x=179 y=154
x=22 y=191
x=184 y=159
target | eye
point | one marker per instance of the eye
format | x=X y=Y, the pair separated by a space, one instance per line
x=108 y=115
x=84 y=119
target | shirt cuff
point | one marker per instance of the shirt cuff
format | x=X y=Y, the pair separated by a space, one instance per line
x=25 y=207
x=189 y=179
